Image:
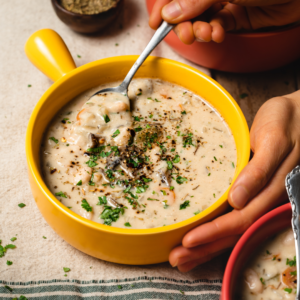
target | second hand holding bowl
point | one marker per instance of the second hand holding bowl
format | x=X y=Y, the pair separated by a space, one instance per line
x=158 y=36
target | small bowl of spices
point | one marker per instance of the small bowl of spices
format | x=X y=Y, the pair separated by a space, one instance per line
x=87 y=16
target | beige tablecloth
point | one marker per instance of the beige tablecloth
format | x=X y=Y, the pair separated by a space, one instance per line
x=37 y=268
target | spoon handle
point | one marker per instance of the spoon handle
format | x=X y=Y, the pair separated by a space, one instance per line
x=292 y=184
x=158 y=36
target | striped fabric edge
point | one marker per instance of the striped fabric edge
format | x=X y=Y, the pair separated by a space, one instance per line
x=129 y=289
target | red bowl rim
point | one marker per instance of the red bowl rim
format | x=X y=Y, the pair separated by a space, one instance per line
x=241 y=243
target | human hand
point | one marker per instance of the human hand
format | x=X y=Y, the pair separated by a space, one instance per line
x=217 y=16
x=275 y=142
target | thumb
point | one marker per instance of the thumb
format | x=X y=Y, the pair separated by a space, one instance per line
x=270 y=151
x=182 y=10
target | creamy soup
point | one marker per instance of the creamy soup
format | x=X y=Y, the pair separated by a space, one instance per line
x=271 y=274
x=159 y=158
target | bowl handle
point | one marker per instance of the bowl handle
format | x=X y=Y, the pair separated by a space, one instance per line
x=49 y=53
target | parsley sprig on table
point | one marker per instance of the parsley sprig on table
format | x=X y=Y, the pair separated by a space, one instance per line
x=5 y=248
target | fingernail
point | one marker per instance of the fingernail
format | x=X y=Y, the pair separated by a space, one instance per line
x=175 y=265
x=200 y=40
x=239 y=196
x=172 y=10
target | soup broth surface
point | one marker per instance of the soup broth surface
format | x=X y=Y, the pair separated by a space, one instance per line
x=159 y=158
x=271 y=274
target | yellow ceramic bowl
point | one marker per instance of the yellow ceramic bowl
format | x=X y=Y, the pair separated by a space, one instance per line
x=48 y=52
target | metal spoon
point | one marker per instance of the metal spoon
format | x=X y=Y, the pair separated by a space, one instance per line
x=292 y=184
x=158 y=36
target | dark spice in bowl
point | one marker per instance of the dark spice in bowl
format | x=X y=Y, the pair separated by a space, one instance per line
x=88 y=7
x=87 y=16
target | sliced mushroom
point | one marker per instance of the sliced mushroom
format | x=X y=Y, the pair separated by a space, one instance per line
x=112 y=202
x=164 y=176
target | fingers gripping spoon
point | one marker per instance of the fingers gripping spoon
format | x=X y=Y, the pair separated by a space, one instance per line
x=158 y=36
x=292 y=183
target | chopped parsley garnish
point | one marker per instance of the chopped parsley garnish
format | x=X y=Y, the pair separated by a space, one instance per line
x=13 y=239
x=171 y=188
x=288 y=290
x=150 y=116
x=180 y=179
x=8 y=288
x=85 y=205
x=214 y=195
x=268 y=252
x=233 y=165
x=138 y=129
x=66 y=269
x=10 y=246
x=116 y=133
x=79 y=56
x=148 y=126
x=215 y=158
x=243 y=95
x=183 y=112
x=110 y=214
x=294 y=273
x=188 y=140
x=91 y=182
x=262 y=280
x=127 y=224
x=52 y=138
x=92 y=161
x=291 y=263
x=137 y=118
x=165 y=204
x=79 y=182
x=221 y=146
x=127 y=189
x=197 y=212
x=152 y=199
x=106 y=118
x=156 y=100
x=184 y=205
x=173 y=150
x=208 y=174
x=9 y=263
x=181 y=290
x=60 y=194
x=141 y=189
x=147 y=180
x=21 y=205
x=164 y=192
x=119 y=287
x=44 y=237
x=96 y=150
x=170 y=165
x=176 y=159
x=102 y=200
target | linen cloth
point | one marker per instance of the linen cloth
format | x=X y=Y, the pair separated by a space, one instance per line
x=40 y=254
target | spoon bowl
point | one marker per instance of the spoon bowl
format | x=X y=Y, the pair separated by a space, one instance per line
x=158 y=36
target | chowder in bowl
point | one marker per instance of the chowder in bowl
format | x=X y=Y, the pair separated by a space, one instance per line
x=116 y=244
